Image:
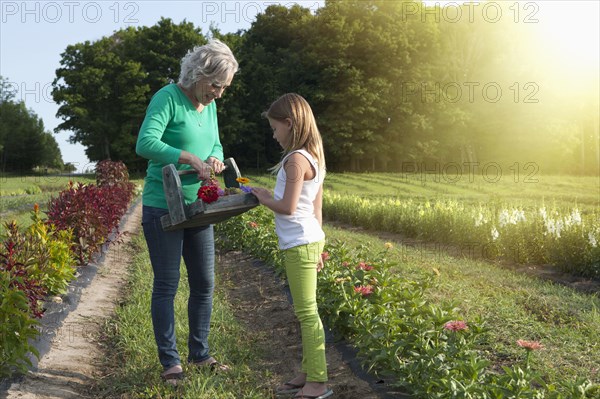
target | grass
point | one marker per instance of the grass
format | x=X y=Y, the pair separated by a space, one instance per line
x=11 y=185
x=133 y=361
x=512 y=305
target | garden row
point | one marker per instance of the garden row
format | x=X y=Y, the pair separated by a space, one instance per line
x=567 y=239
x=41 y=259
x=426 y=348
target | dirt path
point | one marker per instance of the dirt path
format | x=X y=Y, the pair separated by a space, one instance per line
x=69 y=367
x=262 y=303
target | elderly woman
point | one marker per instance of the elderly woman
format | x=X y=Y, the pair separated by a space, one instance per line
x=180 y=127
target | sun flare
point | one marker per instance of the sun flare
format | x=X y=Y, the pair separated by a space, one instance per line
x=570 y=30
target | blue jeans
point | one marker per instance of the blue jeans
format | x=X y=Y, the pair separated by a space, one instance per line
x=166 y=248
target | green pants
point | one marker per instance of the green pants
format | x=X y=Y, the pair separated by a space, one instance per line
x=301 y=269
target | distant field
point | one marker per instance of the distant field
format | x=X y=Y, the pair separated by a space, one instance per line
x=523 y=190
x=18 y=194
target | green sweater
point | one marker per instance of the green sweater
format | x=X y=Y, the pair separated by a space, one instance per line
x=171 y=125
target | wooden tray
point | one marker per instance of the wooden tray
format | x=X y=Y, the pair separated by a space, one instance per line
x=200 y=213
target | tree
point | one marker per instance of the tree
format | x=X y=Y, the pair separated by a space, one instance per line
x=104 y=87
x=24 y=144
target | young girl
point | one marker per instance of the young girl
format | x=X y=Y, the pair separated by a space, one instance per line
x=297 y=205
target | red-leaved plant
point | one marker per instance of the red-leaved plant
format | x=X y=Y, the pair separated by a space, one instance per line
x=91 y=211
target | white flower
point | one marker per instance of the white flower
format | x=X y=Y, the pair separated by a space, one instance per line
x=504 y=218
x=592 y=240
x=554 y=227
x=576 y=216
x=495 y=234
x=558 y=228
x=543 y=213
x=480 y=220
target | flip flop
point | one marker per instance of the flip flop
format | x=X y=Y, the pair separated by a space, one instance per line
x=322 y=396
x=294 y=388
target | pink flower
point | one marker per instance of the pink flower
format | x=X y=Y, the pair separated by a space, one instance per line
x=325 y=256
x=364 y=290
x=345 y=264
x=530 y=345
x=364 y=266
x=456 y=325
x=253 y=225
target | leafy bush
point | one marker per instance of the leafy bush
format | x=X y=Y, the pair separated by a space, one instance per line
x=91 y=212
x=19 y=306
x=111 y=173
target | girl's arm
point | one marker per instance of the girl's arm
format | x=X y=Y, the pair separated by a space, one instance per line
x=318 y=205
x=297 y=168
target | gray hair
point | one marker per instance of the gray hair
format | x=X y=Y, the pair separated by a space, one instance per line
x=214 y=60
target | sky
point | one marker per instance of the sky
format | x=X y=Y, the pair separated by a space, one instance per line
x=33 y=34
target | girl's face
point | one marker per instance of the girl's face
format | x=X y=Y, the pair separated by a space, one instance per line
x=282 y=131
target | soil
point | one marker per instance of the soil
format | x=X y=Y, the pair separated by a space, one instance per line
x=72 y=358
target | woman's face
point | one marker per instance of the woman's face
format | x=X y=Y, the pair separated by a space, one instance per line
x=206 y=90
x=282 y=131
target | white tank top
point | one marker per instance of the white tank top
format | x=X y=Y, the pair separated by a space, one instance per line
x=301 y=227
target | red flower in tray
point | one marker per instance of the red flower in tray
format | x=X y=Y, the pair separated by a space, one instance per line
x=208 y=194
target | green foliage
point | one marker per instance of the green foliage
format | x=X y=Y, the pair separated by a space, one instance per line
x=17 y=327
x=35 y=262
x=46 y=252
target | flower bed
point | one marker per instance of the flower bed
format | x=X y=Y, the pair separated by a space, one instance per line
x=41 y=260
x=565 y=239
x=425 y=348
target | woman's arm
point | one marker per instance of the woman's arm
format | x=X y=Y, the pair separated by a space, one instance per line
x=297 y=168
x=149 y=144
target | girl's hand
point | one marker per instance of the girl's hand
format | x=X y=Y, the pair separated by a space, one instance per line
x=215 y=164
x=320 y=265
x=262 y=194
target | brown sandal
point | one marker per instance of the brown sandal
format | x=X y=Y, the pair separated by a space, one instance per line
x=213 y=364
x=293 y=388
x=172 y=378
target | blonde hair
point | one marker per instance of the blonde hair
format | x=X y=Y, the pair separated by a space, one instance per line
x=304 y=131
x=214 y=60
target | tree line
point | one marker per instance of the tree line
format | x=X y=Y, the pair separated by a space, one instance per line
x=24 y=142
x=395 y=86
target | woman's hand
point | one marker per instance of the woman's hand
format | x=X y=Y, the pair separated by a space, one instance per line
x=262 y=194
x=215 y=164
x=202 y=168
